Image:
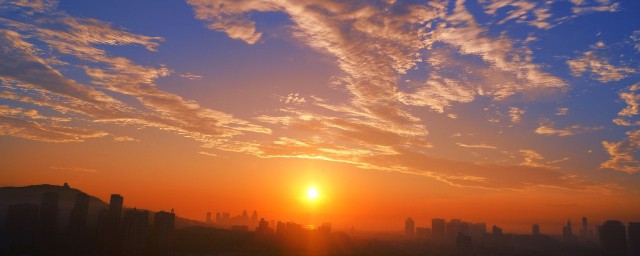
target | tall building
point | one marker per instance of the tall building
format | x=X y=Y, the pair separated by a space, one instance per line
x=409 y=227
x=584 y=232
x=115 y=209
x=48 y=216
x=134 y=232
x=162 y=230
x=634 y=238
x=438 y=229
x=208 y=217
x=79 y=214
x=535 y=230
x=453 y=228
x=263 y=226
x=22 y=225
x=495 y=230
x=613 y=238
x=254 y=218
x=567 y=232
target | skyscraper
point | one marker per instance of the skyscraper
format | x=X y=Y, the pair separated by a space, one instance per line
x=134 y=232
x=567 y=232
x=208 y=217
x=453 y=227
x=584 y=232
x=634 y=238
x=438 y=229
x=162 y=230
x=78 y=215
x=613 y=238
x=48 y=217
x=115 y=208
x=409 y=227
x=535 y=230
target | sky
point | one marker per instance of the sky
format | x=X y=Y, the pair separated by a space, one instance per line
x=499 y=111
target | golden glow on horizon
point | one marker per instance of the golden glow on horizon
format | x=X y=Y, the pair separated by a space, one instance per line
x=312 y=193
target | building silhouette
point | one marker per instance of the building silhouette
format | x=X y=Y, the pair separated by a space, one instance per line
x=453 y=227
x=22 y=220
x=634 y=238
x=48 y=216
x=613 y=238
x=567 y=232
x=409 y=227
x=495 y=230
x=438 y=229
x=134 y=232
x=263 y=227
x=79 y=214
x=162 y=231
x=208 y=217
x=535 y=230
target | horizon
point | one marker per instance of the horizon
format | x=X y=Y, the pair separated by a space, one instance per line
x=358 y=113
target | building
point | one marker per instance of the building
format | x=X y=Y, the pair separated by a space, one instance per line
x=464 y=245
x=453 y=228
x=584 y=232
x=409 y=227
x=79 y=214
x=208 y=217
x=22 y=225
x=162 y=230
x=567 y=232
x=634 y=238
x=495 y=230
x=423 y=232
x=115 y=209
x=438 y=229
x=48 y=216
x=535 y=230
x=263 y=227
x=134 y=232
x=613 y=238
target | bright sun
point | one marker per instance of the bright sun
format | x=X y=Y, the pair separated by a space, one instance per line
x=312 y=193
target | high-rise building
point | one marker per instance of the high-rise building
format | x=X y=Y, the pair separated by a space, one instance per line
x=281 y=228
x=567 y=232
x=254 y=218
x=584 y=232
x=409 y=227
x=438 y=229
x=22 y=225
x=115 y=208
x=218 y=218
x=162 y=230
x=613 y=238
x=453 y=228
x=134 y=232
x=79 y=214
x=535 y=230
x=263 y=226
x=48 y=217
x=495 y=230
x=208 y=217
x=634 y=238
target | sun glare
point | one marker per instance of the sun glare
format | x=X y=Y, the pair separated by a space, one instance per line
x=312 y=193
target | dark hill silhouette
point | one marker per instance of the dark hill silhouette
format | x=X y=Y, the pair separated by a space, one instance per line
x=66 y=196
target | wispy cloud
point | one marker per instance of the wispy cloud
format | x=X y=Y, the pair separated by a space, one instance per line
x=549 y=129
x=599 y=66
x=621 y=154
x=73 y=169
x=475 y=146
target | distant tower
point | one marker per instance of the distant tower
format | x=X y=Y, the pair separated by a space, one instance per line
x=254 y=218
x=535 y=230
x=453 y=227
x=409 y=227
x=78 y=215
x=496 y=230
x=48 y=219
x=218 y=218
x=115 y=209
x=22 y=225
x=567 y=232
x=438 y=229
x=134 y=232
x=263 y=226
x=208 y=217
x=613 y=238
x=584 y=232
x=634 y=238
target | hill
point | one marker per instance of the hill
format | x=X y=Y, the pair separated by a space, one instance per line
x=66 y=196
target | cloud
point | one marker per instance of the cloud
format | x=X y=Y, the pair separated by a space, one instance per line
x=623 y=154
x=599 y=67
x=475 y=146
x=11 y=126
x=124 y=139
x=548 y=129
x=515 y=114
x=73 y=169
x=191 y=76
x=207 y=154
x=28 y=74
x=562 y=111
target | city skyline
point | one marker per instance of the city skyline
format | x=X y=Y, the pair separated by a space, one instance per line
x=360 y=113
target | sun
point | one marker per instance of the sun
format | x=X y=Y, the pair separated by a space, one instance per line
x=312 y=193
